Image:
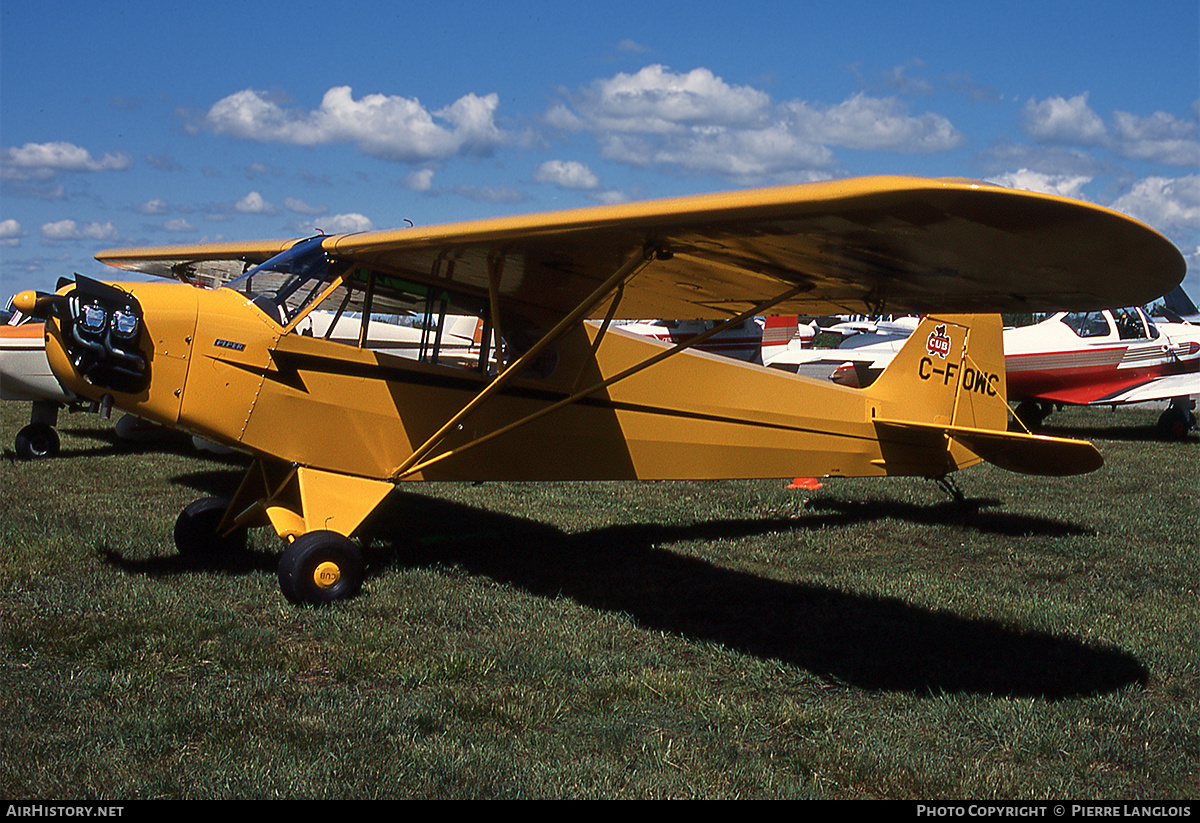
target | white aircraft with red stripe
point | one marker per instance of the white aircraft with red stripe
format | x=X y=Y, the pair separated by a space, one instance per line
x=1112 y=357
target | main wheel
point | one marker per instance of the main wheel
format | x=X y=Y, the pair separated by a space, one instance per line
x=1175 y=423
x=1032 y=414
x=196 y=530
x=320 y=567
x=37 y=441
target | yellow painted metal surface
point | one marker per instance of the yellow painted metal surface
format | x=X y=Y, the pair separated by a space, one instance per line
x=333 y=425
x=900 y=244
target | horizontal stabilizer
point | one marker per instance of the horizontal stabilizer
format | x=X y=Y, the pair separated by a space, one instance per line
x=1015 y=452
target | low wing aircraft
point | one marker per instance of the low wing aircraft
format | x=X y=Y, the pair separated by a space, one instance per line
x=557 y=391
x=1100 y=358
x=25 y=376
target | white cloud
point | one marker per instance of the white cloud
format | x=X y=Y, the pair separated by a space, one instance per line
x=253 y=203
x=656 y=100
x=699 y=123
x=40 y=161
x=419 y=180
x=155 y=206
x=10 y=233
x=346 y=223
x=632 y=46
x=71 y=230
x=1066 y=185
x=386 y=126
x=1164 y=202
x=567 y=174
x=1160 y=137
x=298 y=206
x=178 y=225
x=864 y=122
x=1063 y=120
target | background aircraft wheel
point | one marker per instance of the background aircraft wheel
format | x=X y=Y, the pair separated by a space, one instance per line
x=1032 y=414
x=196 y=530
x=37 y=441
x=1175 y=423
x=320 y=567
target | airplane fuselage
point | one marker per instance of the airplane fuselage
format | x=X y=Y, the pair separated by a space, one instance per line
x=223 y=369
x=1094 y=357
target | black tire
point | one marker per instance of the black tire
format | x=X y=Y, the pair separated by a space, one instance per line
x=320 y=567
x=196 y=530
x=37 y=441
x=1175 y=423
x=1031 y=414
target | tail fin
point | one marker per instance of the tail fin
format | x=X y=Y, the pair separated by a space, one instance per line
x=1179 y=303
x=947 y=386
x=778 y=332
x=951 y=371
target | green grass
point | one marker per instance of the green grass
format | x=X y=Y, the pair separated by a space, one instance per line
x=612 y=640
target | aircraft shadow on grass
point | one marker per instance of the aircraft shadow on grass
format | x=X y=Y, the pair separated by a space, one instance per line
x=868 y=642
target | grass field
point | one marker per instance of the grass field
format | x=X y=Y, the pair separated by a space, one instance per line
x=870 y=639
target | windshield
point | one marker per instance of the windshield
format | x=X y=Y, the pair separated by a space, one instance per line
x=286 y=283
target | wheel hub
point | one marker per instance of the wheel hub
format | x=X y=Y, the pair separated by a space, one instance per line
x=326 y=574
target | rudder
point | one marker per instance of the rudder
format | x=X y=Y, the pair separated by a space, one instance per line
x=949 y=372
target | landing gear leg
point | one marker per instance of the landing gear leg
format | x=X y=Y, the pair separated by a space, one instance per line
x=1032 y=414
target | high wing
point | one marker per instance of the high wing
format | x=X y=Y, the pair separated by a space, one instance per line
x=201 y=264
x=895 y=244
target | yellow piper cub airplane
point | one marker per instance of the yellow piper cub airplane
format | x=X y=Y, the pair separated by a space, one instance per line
x=555 y=391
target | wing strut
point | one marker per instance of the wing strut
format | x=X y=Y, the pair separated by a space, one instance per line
x=411 y=466
x=628 y=270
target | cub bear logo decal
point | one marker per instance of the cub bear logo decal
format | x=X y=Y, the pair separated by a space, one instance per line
x=938 y=342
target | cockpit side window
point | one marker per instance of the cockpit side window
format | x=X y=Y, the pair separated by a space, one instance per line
x=1129 y=324
x=393 y=316
x=1150 y=325
x=1087 y=323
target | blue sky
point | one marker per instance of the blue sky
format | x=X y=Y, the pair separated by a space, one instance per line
x=149 y=123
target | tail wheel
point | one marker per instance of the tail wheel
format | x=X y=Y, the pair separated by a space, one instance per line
x=196 y=530
x=320 y=567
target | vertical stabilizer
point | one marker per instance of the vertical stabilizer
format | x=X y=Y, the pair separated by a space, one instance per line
x=950 y=372
x=945 y=392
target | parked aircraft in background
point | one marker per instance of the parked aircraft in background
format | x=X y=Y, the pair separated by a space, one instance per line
x=863 y=347
x=556 y=391
x=1105 y=358
x=1113 y=357
x=1179 y=308
x=25 y=377
x=741 y=341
